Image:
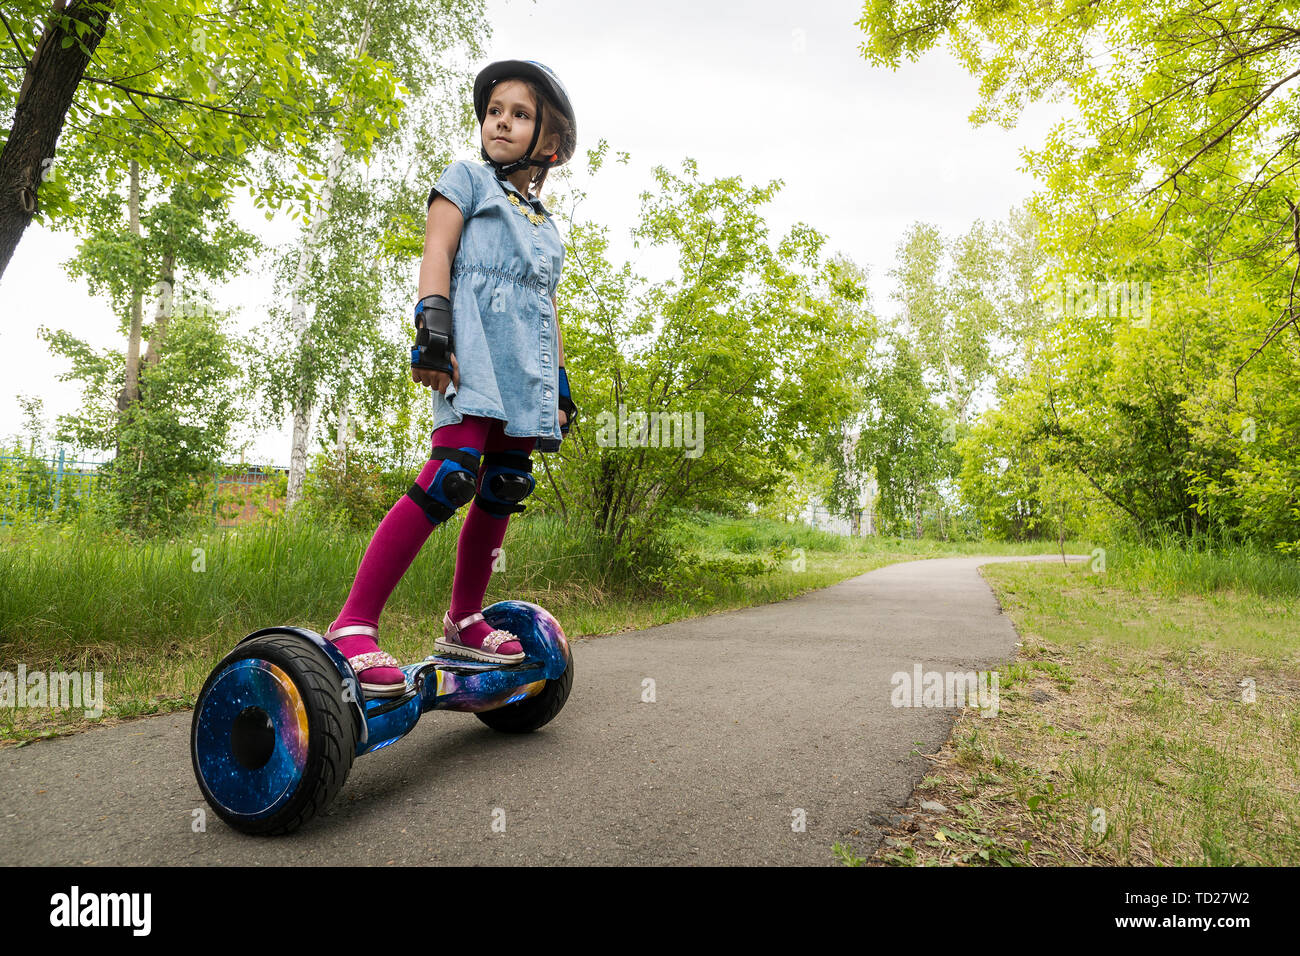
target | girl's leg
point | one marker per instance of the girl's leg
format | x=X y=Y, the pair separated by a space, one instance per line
x=395 y=544
x=481 y=534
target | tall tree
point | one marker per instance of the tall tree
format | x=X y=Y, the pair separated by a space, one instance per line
x=1175 y=178
x=1166 y=95
x=902 y=440
x=175 y=238
x=835 y=448
x=185 y=89
x=194 y=91
x=701 y=391
x=172 y=441
x=949 y=294
x=418 y=37
x=53 y=66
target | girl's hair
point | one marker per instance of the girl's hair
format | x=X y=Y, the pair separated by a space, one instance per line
x=553 y=123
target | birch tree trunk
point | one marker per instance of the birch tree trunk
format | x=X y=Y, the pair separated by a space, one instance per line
x=304 y=411
x=130 y=394
x=163 y=311
x=952 y=387
x=341 y=437
x=344 y=433
x=920 y=517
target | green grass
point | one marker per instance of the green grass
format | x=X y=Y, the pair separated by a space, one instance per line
x=1127 y=697
x=156 y=616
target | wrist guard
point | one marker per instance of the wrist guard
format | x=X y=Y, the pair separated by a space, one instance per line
x=433 y=340
x=566 y=402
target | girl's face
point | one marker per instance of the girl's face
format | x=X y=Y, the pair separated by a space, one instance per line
x=508 y=123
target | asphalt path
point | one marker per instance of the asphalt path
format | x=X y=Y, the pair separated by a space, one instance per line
x=771 y=735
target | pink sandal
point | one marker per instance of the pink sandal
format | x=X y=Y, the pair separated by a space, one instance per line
x=498 y=640
x=376 y=670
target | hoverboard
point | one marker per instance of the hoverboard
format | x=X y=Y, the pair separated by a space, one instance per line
x=281 y=718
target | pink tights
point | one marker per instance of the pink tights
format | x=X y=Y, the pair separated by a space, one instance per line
x=405 y=528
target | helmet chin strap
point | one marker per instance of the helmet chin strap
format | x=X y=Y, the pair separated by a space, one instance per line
x=504 y=170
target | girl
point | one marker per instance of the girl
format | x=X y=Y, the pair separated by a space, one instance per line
x=488 y=344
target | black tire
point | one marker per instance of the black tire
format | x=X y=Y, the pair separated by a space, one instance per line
x=532 y=712
x=331 y=733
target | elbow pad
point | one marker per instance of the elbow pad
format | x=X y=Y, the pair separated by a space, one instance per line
x=433 y=341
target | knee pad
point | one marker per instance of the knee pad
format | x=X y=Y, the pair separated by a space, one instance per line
x=453 y=485
x=506 y=482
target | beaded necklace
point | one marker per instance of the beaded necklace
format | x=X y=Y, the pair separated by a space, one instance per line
x=536 y=218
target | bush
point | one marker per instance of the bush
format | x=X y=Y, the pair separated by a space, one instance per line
x=668 y=560
x=352 y=497
x=162 y=498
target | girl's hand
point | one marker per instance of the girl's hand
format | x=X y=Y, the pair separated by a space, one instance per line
x=438 y=380
x=564 y=417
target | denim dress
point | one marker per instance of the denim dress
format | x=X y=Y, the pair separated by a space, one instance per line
x=503 y=323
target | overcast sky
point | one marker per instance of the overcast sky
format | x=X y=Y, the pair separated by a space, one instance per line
x=764 y=90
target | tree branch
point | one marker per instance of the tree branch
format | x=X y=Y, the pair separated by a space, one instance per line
x=1256 y=104
x=27 y=60
x=1290 y=307
x=165 y=130
x=174 y=99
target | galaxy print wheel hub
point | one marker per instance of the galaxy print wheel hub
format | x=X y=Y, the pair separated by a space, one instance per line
x=255 y=737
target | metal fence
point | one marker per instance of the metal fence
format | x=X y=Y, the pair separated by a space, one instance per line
x=43 y=486
x=244 y=482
